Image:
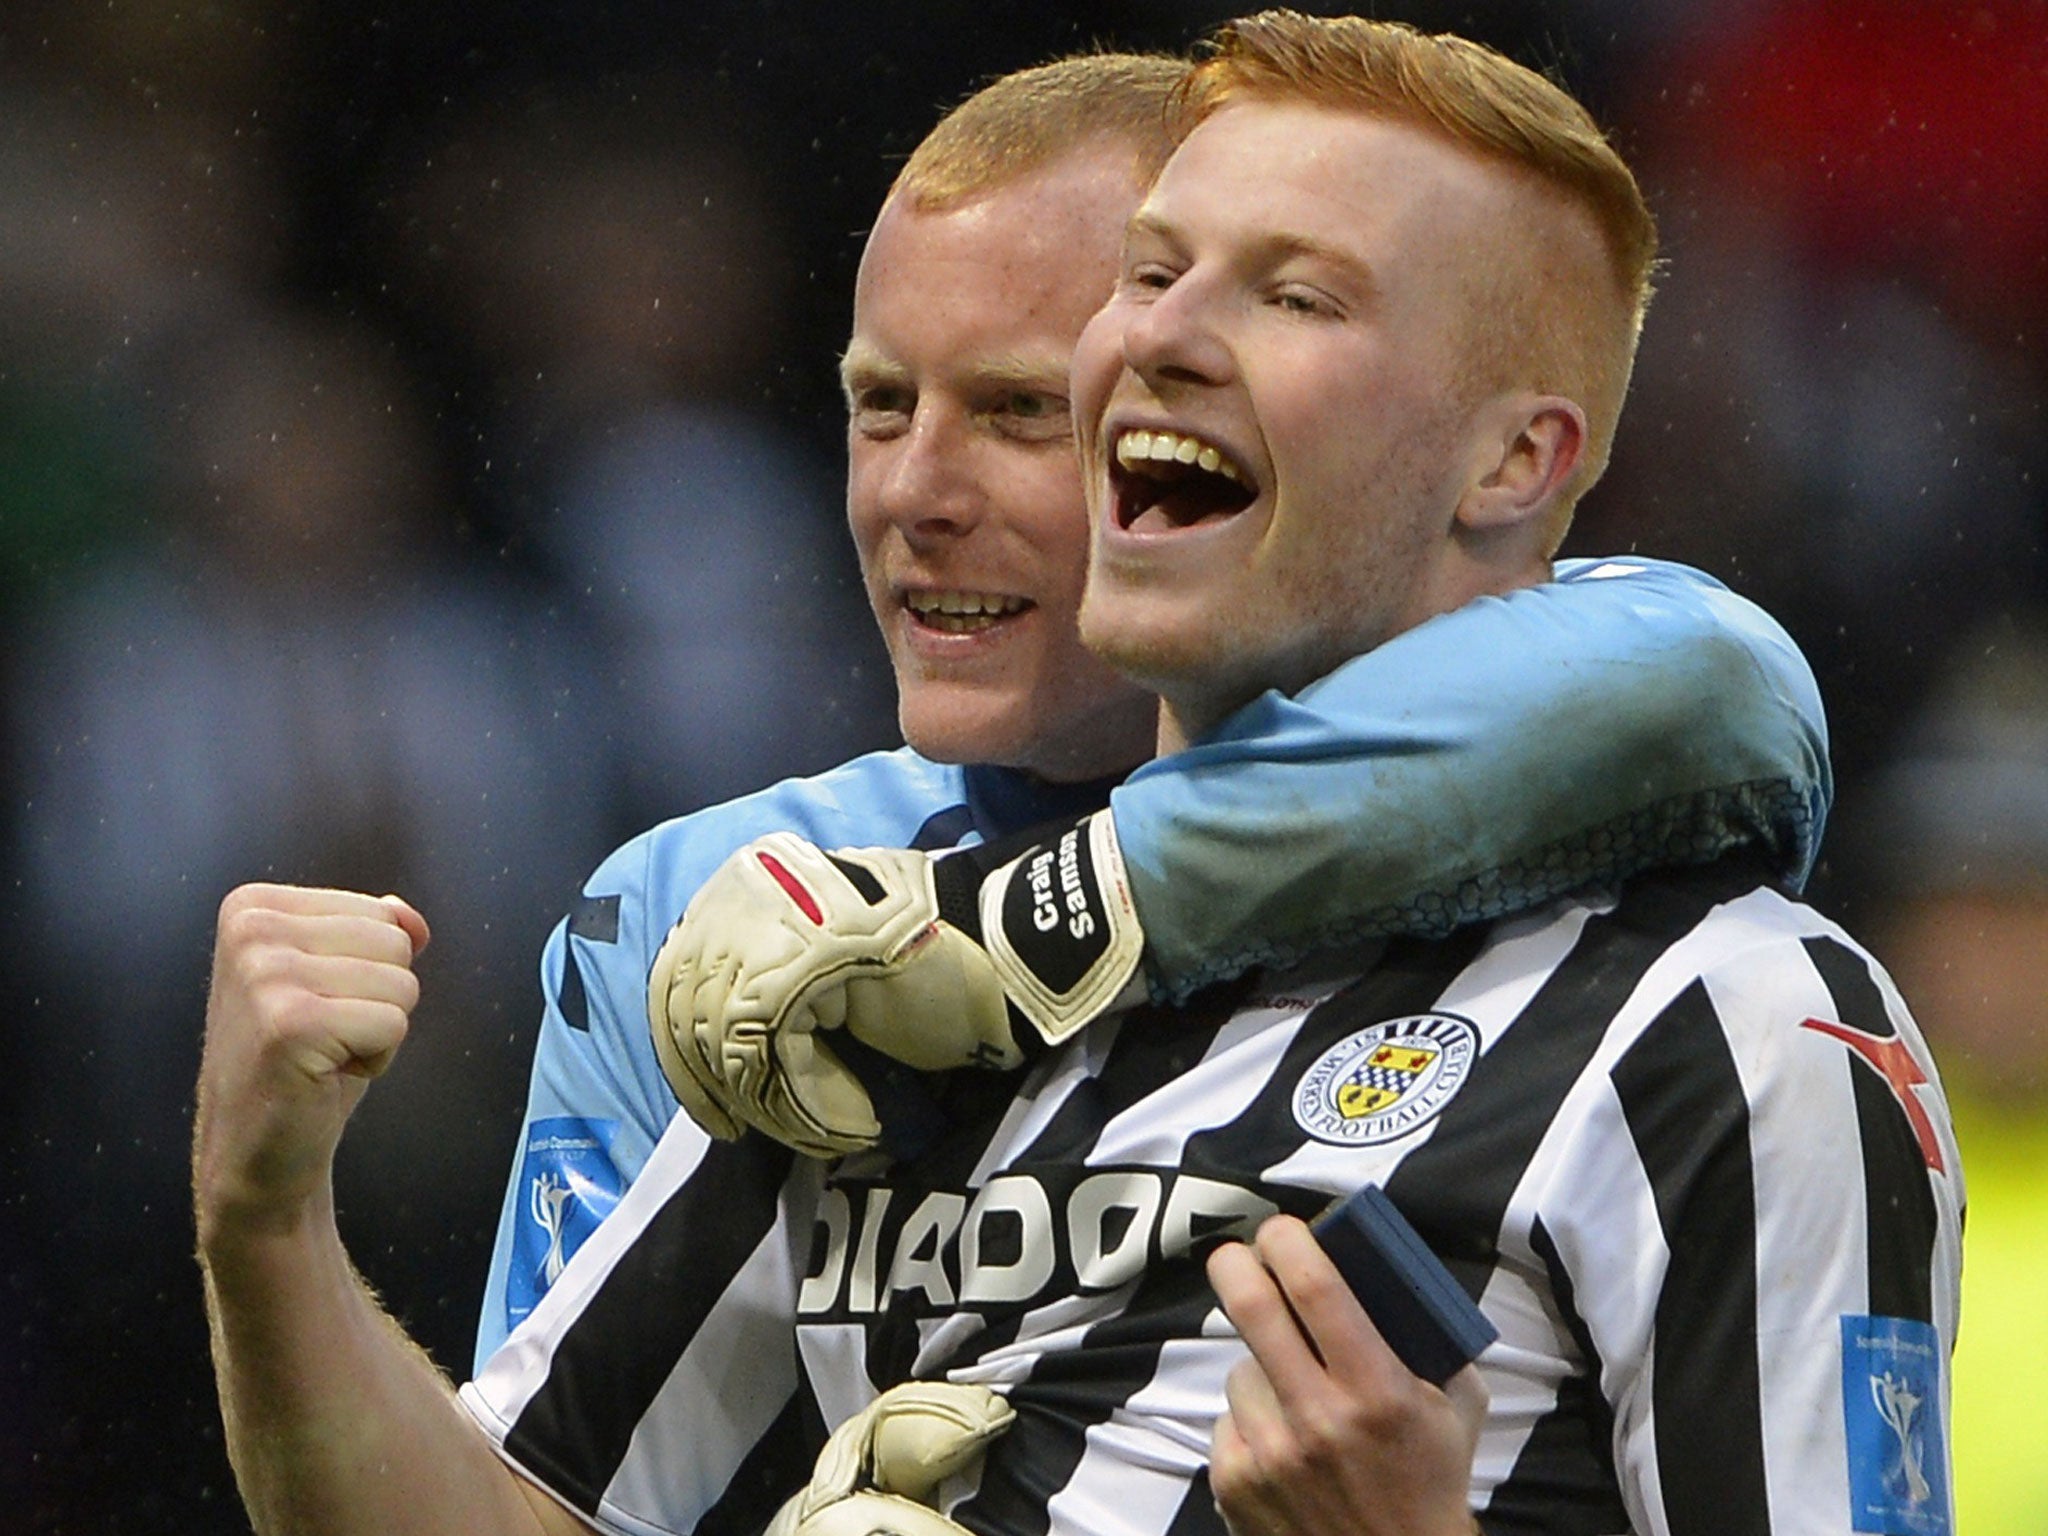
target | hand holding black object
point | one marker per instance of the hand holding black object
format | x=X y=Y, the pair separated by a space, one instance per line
x=1327 y=1432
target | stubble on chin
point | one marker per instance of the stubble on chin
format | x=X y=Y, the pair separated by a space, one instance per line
x=1194 y=663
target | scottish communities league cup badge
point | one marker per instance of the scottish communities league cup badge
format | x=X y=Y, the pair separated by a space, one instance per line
x=568 y=1184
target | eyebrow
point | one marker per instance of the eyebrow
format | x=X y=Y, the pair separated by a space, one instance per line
x=1022 y=370
x=1146 y=222
x=1270 y=249
x=863 y=365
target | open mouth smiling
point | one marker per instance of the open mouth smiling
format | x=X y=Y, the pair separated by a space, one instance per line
x=962 y=613
x=1164 y=480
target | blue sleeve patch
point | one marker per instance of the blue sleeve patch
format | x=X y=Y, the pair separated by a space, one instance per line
x=1891 y=1405
x=568 y=1183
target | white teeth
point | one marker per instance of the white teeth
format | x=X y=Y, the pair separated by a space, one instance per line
x=1140 y=447
x=963 y=604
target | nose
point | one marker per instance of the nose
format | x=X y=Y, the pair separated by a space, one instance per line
x=1174 y=339
x=926 y=486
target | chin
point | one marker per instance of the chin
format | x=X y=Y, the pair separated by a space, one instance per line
x=1111 y=738
x=955 y=741
x=1160 y=657
x=952 y=723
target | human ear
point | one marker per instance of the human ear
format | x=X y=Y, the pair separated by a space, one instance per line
x=1526 y=452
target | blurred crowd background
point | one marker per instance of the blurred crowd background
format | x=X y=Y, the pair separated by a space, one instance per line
x=420 y=469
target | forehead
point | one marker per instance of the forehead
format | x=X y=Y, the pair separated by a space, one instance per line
x=1013 y=273
x=1291 y=174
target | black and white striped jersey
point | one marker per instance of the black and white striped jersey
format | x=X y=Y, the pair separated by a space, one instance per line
x=1686 y=1149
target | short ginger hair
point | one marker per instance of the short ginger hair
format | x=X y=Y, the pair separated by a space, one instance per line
x=1557 y=336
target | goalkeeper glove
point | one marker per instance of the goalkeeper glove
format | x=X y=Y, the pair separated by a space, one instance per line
x=880 y=1471
x=971 y=958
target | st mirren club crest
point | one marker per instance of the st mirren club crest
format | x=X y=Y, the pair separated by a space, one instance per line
x=1381 y=1083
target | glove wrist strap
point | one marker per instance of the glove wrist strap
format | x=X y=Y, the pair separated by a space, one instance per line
x=1060 y=927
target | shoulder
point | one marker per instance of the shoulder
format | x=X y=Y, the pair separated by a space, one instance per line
x=1756 y=948
x=1639 y=571
x=881 y=799
x=1733 y=976
x=595 y=965
x=639 y=891
x=1705 y=1026
x=1712 y=961
x=1728 y=926
x=1660 y=602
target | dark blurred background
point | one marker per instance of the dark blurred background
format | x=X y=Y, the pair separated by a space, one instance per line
x=419 y=470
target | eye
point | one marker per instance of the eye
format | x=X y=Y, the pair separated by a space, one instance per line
x=1310 y=303
x=879 y=410
x=1031 y=414
x=1150 y=276
x=1031 y=406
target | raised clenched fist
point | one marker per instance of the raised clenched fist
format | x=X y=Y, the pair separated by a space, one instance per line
x=312 y=994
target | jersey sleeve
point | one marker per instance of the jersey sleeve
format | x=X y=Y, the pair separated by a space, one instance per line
x=1759 y=1233
x=597 y=1102
x=1629 y=714
x=654 y=1387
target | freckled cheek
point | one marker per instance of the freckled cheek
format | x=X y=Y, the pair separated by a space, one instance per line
x=869 y=529
x=1047 y=508
x=863 y=474
x=1098 y=359
x=1061 y=598
x=868 y=552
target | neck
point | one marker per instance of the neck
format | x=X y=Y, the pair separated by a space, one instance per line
x=1183 y=723
x=1187 y=717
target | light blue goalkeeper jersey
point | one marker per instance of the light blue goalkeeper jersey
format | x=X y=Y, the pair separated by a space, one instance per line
x=1630 y=713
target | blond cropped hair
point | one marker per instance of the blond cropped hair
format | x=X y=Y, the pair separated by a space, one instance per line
x=1023 y=122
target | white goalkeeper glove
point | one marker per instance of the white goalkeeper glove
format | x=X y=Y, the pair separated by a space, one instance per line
x=880 y=1471
x=934 y=961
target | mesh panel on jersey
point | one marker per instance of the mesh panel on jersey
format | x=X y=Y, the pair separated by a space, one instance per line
x=1689 y=829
